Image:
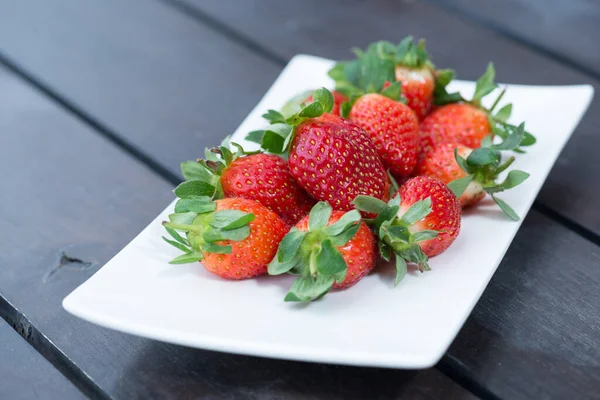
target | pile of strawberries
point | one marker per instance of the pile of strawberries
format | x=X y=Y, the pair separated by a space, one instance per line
x=322 y=200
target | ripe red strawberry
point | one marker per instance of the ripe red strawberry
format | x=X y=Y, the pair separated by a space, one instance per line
x=327 y=249
x=467 y=122
x=330 y=157
x=420 y=221
x=262 y=177
x=441 y=164
x=234 y=238
x=393 y=128
x=338 y=99
x=359 y=253
x=471 y=173
x=461 y=123
x=445 y=212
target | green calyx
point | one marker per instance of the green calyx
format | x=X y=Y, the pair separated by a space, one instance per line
x=277 y=137
x=485 y=164
x=394 y=233
x=203 y=228
x=497 y=119
x=203 y=177
x=313 y=254
x=373 y=71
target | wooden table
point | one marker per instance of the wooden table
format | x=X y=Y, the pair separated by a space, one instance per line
x=101 y=100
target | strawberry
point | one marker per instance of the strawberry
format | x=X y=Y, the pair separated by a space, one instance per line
x=407 y=63
x=472 y=173
x=441 y=163
x=330 y=157
x=422 y=220
x=256 y=176
x=234 y=238
x=338 y=99
x=327 y=249
x=467 y=122
x=295 y=104
x=393 y=128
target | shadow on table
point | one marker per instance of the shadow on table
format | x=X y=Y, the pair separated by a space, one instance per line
x=168 y=371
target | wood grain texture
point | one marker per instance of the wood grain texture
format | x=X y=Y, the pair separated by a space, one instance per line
x=26 y=375
x=293 y=28
x=568 y=28
x=71 y=201
x=165 y=82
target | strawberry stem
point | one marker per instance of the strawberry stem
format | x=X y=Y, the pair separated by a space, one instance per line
x=497 y=100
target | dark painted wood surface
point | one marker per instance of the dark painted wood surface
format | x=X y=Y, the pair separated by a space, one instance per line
x=165 y=82
x=26 y=375
x=71 y=202
x=168 y=82
x=566 y=28
x=510 y=345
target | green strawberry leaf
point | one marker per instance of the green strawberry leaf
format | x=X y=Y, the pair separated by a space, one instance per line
x=289 y=245
x=330 y=262
x=504 y=113
x=217 y=248
x=319 y=216
x=393 y=91
x=197 y=204
x=513 y=140
x=256 y=136
x=514 y=178
x=274 y=117
x=369 y=204
x=401 y=269
x=485 y=85
x=230 y=219
x=384 y=250
x=416 y=212
x=421 y=236
x=312 y=110
x=278 y=267
x=216 y=235
x=458 y=186
x=462 y=163
x=175 y=235
x=194 y=188
x=185 y=218
x=506 y=208
x=325 y=97
x=177 y=245
x=195 y=171
x=187 y=258
x=295 y=104
x=483 y=156
x=308 y=288
x=348 y=219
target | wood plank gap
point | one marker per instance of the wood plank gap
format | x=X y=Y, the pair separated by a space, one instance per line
x=458 y=372
x=491 y=25
x=96 y=125
x=567 y=223
x=226 y=31
x=23 y=326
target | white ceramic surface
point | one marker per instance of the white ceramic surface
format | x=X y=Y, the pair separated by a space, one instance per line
x=372 y=324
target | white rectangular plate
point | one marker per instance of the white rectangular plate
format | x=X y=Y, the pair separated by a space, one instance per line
x=371 y=324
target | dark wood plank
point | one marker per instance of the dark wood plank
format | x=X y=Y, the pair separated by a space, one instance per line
x=169 y=84
x=164 y=89
x=336 y=27
x=71 y=202
x=566 y=28
x=26 y=375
